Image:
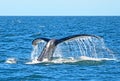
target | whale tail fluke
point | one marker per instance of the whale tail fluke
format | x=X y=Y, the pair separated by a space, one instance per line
x=51 y=44
x=38 y=40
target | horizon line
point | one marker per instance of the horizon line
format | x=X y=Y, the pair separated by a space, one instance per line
x=59 y=15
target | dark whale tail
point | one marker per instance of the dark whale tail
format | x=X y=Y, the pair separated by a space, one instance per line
x=75 y=36
x=49 y=48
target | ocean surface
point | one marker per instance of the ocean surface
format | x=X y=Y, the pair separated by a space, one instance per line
x=17 y=33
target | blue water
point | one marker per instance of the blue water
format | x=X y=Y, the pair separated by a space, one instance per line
x=17 y=33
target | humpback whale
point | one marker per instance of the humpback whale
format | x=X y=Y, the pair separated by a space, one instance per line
x=49 y=48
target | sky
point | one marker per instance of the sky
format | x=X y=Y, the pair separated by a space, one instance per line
x=59 y=7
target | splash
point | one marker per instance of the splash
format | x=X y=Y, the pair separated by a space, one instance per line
x=37 y=50
x=11 y=61
x=85 y=46
x=77 y=49
x=94 y=59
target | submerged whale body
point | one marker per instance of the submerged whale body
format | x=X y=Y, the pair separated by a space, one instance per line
x=49 y=49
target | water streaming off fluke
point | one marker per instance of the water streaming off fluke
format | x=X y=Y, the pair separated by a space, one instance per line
x=77 y=48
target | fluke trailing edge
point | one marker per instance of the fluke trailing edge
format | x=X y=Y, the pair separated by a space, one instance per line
x=50 y=47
